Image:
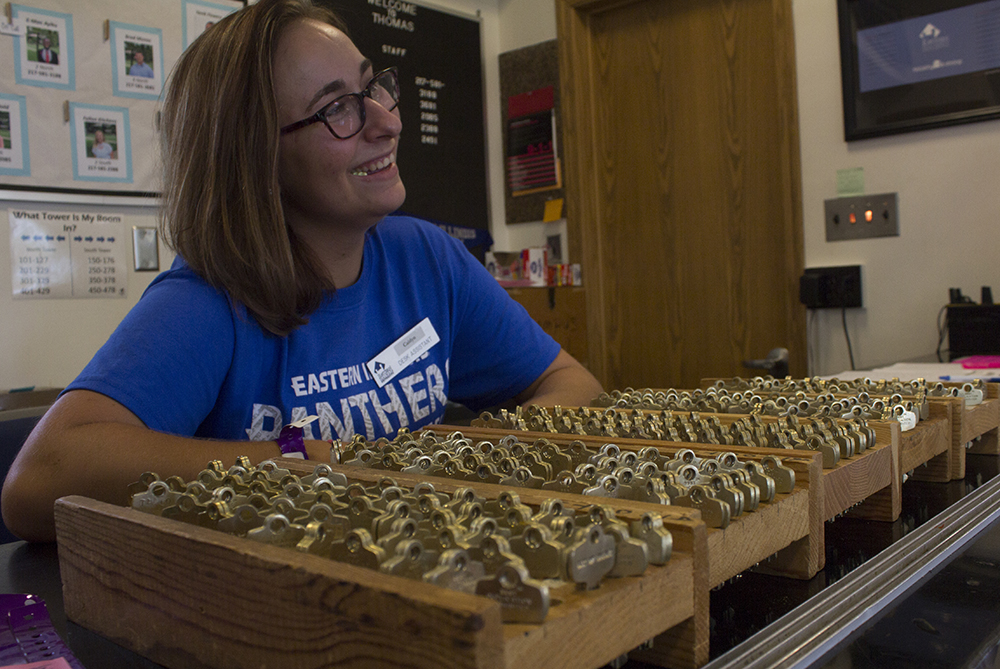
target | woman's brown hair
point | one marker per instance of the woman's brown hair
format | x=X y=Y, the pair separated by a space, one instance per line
x=222 y=204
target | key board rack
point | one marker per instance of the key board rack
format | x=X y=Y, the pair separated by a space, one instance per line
x=933 y=450
x=785 y=534
x=867 y=484
x=184 y=595
x=973 y=426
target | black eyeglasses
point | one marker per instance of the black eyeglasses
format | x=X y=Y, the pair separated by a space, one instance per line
x=345 y=116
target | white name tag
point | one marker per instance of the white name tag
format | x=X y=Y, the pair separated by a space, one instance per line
x=398 y=355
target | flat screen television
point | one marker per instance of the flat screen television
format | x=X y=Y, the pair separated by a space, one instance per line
x=914 y=64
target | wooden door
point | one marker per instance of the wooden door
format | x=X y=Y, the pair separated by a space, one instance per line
x=682 y=185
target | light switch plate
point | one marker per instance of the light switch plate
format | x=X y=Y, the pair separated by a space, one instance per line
x=862 y=217
x=145 y=248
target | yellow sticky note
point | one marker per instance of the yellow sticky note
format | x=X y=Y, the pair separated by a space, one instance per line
x=553 y=210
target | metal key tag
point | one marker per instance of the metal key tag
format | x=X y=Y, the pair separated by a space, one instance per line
x=783 y=476
x=659 y=542
x=189 y=510
x=540 y=553
x=319 y=537
x=455 y=570
x=157 y=497
x=358 y=549
x=973 y=396
x=243 y=519
x=631 y=555
x=521 y=599
x=409 y=560
x=277 y=530
x=590 y=558
x=714 y=512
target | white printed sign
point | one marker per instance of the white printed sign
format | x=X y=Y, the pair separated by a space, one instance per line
x=67 y=255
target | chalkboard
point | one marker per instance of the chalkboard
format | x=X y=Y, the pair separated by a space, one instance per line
x=442 y=151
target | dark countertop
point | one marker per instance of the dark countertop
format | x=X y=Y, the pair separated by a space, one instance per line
x=739 y=608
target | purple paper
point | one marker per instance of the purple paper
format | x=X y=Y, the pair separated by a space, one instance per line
x=27 y=634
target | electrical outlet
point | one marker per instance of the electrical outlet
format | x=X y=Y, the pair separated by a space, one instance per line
x=831 y=287
x=861 y=217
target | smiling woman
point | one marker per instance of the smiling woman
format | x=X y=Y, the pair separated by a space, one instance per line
x=295 y=292
x=335 y=184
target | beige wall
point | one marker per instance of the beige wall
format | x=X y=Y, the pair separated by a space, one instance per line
x=949 y=203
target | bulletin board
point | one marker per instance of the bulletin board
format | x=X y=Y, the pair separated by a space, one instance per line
x=53 y=114
x=80 y=85
x=529 y=94
x=442 y=150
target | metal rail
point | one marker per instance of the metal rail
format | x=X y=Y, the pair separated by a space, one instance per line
x=808 y=632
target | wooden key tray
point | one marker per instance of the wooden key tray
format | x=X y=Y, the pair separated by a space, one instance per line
x=185 y=596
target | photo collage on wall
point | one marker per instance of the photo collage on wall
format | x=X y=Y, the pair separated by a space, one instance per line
x=45 y=55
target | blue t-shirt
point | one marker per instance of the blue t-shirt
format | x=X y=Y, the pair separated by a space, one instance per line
x=140 y=70
x=186 y=362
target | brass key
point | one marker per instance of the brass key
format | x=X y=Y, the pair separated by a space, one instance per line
x=540 y=553
x=714 y=512
x=456 y=571
x=358 y=549
x=409 y=561
x=631 y=555
x=277 y=530
x=521 y=599
x=659 y=542
x=591 y=558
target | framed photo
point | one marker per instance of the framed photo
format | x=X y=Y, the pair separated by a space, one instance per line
x=199 y=16
x=101 y=147
x=136 y=61
x=915 y=64
x=44 y=55
x=14 y=156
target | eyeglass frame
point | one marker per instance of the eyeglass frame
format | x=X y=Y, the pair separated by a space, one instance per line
x=320 y=116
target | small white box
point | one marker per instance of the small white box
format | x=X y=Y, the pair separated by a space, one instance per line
x=536 y=266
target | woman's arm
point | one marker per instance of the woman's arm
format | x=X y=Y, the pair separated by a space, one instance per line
x=565 y=382
x=89 y=444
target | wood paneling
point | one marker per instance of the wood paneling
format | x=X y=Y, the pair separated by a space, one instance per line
x=683 y=187
x=562 y=313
